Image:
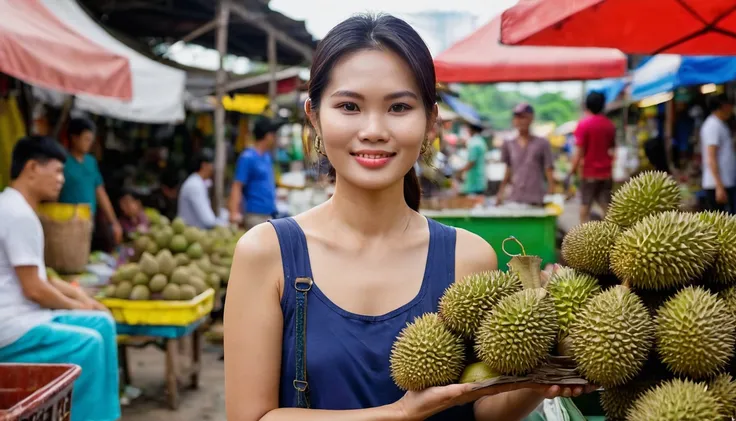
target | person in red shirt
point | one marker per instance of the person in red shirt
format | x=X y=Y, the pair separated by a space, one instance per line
x=595 y=139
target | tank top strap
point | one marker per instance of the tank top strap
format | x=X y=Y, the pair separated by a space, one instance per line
x=294 y=251
x=442 y=257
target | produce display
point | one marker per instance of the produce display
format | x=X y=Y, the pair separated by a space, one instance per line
x=644 y=307
x=173 y=261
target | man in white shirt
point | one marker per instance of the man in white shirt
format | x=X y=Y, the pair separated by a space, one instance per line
x=194 y=205
x=47 y=320
x=719 y=158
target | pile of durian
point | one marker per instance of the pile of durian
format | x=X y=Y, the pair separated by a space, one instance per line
x=645 y=308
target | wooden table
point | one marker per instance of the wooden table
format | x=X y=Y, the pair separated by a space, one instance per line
x=173 y=341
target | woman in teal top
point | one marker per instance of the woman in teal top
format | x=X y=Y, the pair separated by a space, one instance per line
x=316 y=301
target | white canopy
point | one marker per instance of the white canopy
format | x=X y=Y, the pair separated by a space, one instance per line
x=158 y=90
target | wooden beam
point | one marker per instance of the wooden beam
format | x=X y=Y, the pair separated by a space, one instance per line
x=209 y=26
x=272 y=71
x=247 y=82
x=259 y=22
x=223 y=18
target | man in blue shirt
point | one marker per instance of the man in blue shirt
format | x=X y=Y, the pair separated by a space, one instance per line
x=84 y=183
x=253 y=193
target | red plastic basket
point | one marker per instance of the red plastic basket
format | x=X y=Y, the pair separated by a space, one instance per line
x=37 y=392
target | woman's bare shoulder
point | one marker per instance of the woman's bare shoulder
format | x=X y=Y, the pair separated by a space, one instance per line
x=472 y=254
x=257 y=257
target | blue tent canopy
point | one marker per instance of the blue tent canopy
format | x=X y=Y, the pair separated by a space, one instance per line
x=611 y=88
x=667 y=72
x=467 y=112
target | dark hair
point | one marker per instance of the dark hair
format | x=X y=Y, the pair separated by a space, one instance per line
x=595 y=101
x=715 y=102
x=41 y=149
x=170 y=178
x=204 y=156
x=77 y=126
x=371 y=32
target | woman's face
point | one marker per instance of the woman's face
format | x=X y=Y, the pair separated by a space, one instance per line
x=372 y=120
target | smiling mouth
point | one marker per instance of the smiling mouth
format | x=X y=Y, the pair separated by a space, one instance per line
x=374 y=155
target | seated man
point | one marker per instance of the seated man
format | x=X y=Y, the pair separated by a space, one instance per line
x=47 y=320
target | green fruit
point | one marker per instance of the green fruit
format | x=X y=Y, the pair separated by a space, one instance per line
x=426 y=353
x=464 y=304
x=676 y=400
x=158 y=283
x=224 y=273
x=166 y=262
x=617 y=401
x=123 y=290
x=195 y=271
x=198 y=283
x=725 y=226
x=570 y=290
x=204 y=264
x=152 y=248
x=695 y=333
x=178 y=225
x=148 y=264
x=187 y=292
x=728 y=297
x=646 y=194
x=477 y=372
x=171 y=292
x=214 y=281
x=611 y=337
x=140 y=278
x=162 y=238
x=178 y=243
x=181 y=259
x=141 y=244
x=110 y=291
x=195 y=251
x=723 y=388
x=163 y=221
x=140 y=293
x=663 y=251
x=587 y=247
x=192 y=234
x=180 y=276
x=153 y=215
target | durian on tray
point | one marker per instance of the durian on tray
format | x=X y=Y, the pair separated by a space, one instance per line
x=644 y=308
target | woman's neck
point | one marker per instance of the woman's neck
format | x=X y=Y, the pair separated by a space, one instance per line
x=369 y=213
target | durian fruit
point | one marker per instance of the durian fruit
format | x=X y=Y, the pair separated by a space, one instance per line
x=695 y=333
x=617 y=401
x=586 y=247
x=518 y=334
x=676 y=400
x=611 y=338
x=663 y=251
x=724 y=268
x=465 y=303
x=570 y=290
x=723 y=388
x=728 y=296
x=426 y=353
x=648 y=193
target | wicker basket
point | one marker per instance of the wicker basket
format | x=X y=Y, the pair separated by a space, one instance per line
x=68 y=240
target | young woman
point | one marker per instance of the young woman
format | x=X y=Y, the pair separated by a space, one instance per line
x=315 y=302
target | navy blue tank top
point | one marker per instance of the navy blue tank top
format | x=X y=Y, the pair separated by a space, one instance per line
x=347 y=354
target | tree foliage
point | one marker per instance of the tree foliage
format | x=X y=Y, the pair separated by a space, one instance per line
x=497 y=105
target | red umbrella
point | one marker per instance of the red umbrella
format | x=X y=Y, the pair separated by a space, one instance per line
x=36 y=47
x=686 y=27
x=480 y=58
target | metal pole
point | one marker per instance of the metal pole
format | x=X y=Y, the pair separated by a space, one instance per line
x=223 y=17
x=272 y=69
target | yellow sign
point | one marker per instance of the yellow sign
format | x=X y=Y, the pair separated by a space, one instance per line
x=246 y=103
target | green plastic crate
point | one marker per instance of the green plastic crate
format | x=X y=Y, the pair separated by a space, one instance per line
x=536 y=233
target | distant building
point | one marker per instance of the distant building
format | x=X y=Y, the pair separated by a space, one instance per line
x=442 y=29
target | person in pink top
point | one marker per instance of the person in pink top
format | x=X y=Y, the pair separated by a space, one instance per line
x=595 y=139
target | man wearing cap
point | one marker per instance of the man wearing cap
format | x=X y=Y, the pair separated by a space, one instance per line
x=253 y=193
x=194 y=205
x=528 y=160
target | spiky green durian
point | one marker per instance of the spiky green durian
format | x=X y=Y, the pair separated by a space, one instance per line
x=729 y=299
x=587 y=247
x=663 y=251
x=646 y=194
x=724 y=267
x=611 y=337
x=570 y=290
x=617 y=401
x=477 y=372
x=676 y=400
x=464 y=304
x=425 y=354
x=723 y=388
x=695 y=333
x=518 y=334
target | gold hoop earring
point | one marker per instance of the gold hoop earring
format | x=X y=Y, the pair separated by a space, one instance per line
x=425 y=147
x=318 y=145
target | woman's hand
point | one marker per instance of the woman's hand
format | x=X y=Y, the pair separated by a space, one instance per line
x=415 y=406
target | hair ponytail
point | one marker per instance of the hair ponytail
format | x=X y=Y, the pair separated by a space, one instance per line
x=412 y=190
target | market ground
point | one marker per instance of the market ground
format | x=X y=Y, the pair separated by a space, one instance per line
x=208 y=402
